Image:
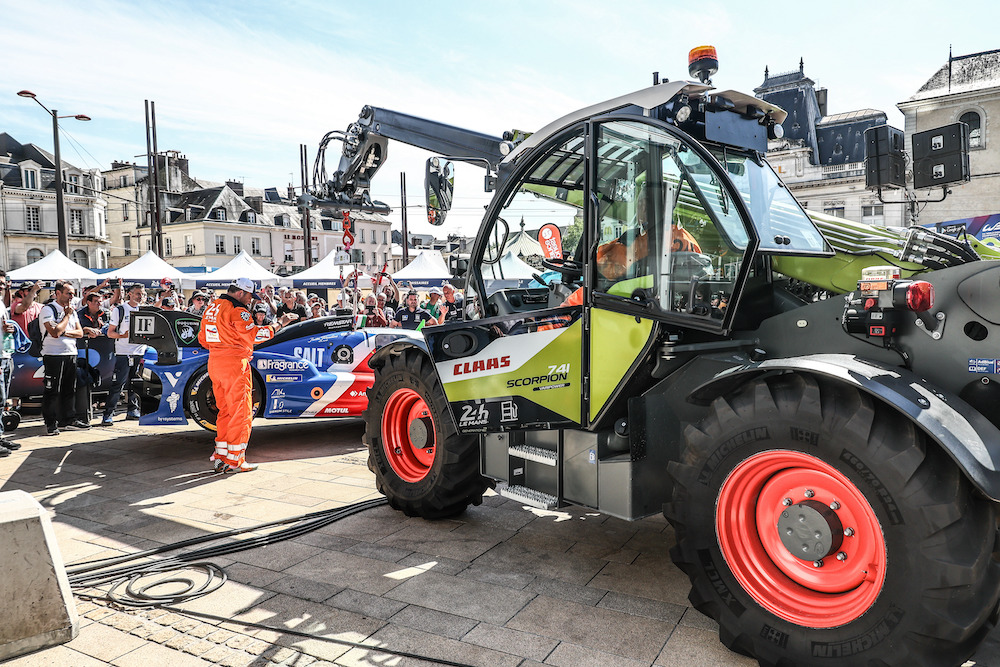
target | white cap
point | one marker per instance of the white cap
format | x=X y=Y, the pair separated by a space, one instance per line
x=246 y=285
x=436 y=290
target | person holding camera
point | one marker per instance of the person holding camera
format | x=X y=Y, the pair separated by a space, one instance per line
x=128 y=357
x=24 y=307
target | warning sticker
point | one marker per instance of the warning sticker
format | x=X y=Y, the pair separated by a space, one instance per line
x=983 y=365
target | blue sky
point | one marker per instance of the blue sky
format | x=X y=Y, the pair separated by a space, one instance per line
x=239 y=85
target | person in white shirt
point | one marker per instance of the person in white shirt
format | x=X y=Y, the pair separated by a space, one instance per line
x=61 y=327
x=128 y=357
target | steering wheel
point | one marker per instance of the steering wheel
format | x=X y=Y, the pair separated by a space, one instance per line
x=570 y=268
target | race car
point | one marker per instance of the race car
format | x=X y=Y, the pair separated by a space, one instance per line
x=316 y=368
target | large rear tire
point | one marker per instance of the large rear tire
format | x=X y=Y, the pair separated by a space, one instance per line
x=422 y=465
x=818 y=527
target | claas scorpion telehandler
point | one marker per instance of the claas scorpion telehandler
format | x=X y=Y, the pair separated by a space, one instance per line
x=829 y=465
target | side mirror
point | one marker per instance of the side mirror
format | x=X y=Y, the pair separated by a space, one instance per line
x=439 y=182
x=461 y=268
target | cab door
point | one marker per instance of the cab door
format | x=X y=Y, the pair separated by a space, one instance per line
x=670 y=249
x=516 y=361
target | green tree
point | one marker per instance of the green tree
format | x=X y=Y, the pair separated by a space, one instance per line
x=572 y=236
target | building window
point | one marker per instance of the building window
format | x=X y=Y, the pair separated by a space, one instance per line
x=237 y=245
x=972 y=119
x=168 y=246
x=34 y=255
x=104 y=183
x=220 y=244
x=279 y=220
x=288 y=252
x=255 y=245
x=100 y=226
x=80 y=257
x=385 y=236
x=73 y=184
x=124 y=211
x=252 y=217
x=188 y=245
x=149 y=244
x=873 y=215
x=75 y=221
x=122 y=181
x=32 y=219
x=835 y=211
x=127 y=244
x=30 y=179
x=219 y=214
x=315 y=253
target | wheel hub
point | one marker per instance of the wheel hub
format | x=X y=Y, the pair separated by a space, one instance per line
x=422 y=432
x=810 y=530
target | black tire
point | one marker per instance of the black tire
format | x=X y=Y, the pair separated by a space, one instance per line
x=941 y=581
x=430 y=487
x=199 y=399
x=11 y=420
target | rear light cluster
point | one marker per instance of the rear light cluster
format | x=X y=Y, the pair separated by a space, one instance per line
x=874 y=309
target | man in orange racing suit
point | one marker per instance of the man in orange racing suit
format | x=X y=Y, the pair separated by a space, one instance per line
x=229 y=332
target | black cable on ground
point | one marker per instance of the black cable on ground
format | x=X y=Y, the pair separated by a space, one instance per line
x=128 y=590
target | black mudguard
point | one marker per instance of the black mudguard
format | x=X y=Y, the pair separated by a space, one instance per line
x=971 y=440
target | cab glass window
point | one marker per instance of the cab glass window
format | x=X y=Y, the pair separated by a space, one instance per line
x=550 y=191
x=668 y=232
x=781 y=223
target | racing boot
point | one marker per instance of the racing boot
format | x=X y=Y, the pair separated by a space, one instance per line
x=218 y=459
x=236 y=459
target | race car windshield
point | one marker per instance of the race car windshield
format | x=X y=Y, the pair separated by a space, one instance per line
x=782 y=224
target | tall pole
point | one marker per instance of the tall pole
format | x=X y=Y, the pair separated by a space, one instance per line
x=149 y=179
x=306 y=224
x=157 y=221
x=402 y=205
x=60 y=204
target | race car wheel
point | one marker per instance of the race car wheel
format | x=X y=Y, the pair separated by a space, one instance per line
x=200 y=400
x=819 y=527
x=421 y=463
x=11 y=420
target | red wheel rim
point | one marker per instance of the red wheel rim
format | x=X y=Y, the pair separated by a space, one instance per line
x=751 y=501
x=406 y=416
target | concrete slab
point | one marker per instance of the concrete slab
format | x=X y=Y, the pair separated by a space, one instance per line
x=617 y=633
x=433 y=621
x=498 y=638
x=694 y=647
x=473 y=599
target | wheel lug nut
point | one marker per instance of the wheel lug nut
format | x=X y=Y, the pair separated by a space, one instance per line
x=817 y=563
x=398 y=451
x=848 y=532
x=835 y=506
x=841 y=556
x=786 y=502
x=809 y=493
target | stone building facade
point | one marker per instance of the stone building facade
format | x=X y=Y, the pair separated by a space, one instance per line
x=28 y=214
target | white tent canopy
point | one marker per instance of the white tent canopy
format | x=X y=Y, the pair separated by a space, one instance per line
x=427 y=269
x=241 y=266
x=324 y=274
x=54 y=266
x=149 y=270
x=512 y=267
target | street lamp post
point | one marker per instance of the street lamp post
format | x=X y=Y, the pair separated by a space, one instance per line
x=60 y=206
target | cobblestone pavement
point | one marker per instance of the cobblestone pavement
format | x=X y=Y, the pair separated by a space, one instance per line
x=500 y=585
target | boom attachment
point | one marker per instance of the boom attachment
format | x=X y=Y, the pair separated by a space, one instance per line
x=365 y=147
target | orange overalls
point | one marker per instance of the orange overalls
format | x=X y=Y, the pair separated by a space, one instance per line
x=229 y=332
